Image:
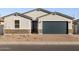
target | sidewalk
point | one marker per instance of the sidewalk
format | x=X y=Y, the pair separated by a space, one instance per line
x=39 y=43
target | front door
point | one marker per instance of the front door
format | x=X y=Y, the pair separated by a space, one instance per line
x=34 y=27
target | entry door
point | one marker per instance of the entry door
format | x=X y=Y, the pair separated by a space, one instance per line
x=34 y=27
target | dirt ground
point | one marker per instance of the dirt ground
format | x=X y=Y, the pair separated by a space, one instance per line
x=33 y=38
x=39 y=38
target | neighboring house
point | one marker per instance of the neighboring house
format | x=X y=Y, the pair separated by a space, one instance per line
x=38 y=21
x=76 y=26
x=17 y=23
x=1 y=26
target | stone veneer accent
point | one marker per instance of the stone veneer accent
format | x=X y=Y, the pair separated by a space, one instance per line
x=73 y=27
x=70 y=31
x=39 y=31
x=17 y=31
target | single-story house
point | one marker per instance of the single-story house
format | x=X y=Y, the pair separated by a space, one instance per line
x=38 y=21
x=47 y=22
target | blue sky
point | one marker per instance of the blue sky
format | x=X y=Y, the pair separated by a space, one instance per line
x=74 y=12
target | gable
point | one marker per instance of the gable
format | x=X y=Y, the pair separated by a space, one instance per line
x=36 y=13
x=59 y=14
x=18 y=14
x=51 y=17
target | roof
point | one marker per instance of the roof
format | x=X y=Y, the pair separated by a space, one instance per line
x=60 y=14
x=38 y=9
x=64 y=15
x=25 y=16
x=1 y=19
x=77 y=20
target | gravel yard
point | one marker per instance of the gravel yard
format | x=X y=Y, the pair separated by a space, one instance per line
x=39 y=38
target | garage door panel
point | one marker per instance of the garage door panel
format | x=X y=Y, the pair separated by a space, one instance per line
x=54 y=27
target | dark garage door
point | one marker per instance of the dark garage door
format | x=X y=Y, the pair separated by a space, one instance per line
x=1 y=29
x=55 y=27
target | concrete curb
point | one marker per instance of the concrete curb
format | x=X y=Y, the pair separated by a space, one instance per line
x=39 y=43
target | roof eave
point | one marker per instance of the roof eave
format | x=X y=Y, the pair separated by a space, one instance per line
x=60 y=14
x=64 y=15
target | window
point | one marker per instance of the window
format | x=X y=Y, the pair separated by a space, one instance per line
x=16 y=23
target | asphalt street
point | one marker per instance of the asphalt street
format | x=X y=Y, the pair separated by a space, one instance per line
x=39 y=47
